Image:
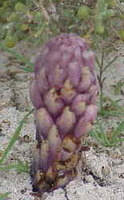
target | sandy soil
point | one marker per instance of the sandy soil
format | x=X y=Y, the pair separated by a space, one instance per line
x=101 y=176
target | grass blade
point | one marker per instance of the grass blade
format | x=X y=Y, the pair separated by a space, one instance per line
x=19 y=57
x=98 y=63
x=27 y=69
x=105 y=113
x=3 y=196
x=110 y=63
x=19 y=167
x=15 y=136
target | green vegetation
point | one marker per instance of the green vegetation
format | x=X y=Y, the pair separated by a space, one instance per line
x=20 y=58
x=83 y=13
x=118 y=87
x=19 y=166
x=111 y=138
x=31 y=20
x=5 y=195
x=121 y=34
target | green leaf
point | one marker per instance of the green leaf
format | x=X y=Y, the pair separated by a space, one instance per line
x=27 y=69
x=104 y=138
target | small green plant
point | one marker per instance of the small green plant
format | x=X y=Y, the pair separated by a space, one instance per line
x=111 y=107
x=111 y=138
x=4 y=195
x=20 y=7
x=10 y=41
x=99 y=29
x=83 y=13
x=118 y=87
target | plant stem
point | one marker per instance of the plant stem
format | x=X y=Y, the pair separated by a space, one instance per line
x=101 y=77
x=110 y=63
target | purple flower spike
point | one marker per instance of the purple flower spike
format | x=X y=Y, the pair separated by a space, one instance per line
x=63 y=93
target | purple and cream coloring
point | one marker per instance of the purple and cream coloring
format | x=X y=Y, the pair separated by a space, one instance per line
x=64 y=94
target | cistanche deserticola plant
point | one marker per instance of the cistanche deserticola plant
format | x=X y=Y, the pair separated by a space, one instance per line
x=63 y=93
